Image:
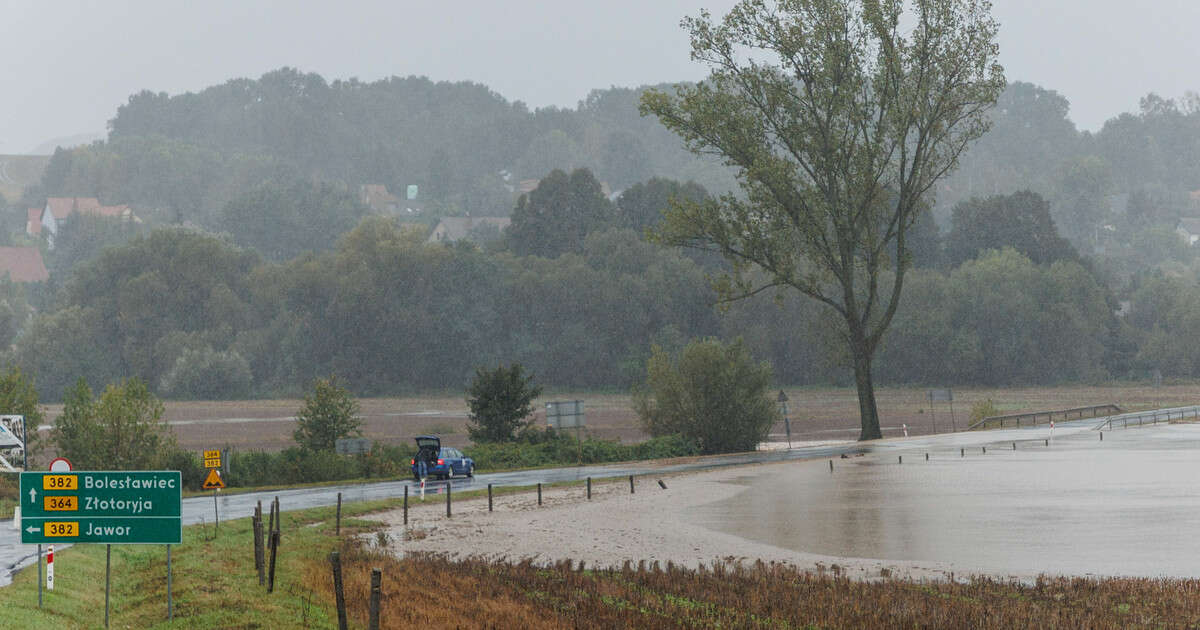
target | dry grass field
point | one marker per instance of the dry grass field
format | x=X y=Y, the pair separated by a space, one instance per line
x=816 y=413
x=496 y=594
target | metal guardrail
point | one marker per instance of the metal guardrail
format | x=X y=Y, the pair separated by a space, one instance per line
x=1046 y=417
x=1152 y=416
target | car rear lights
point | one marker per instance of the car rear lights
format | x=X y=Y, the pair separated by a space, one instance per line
x=412 y=462
x=441 y=462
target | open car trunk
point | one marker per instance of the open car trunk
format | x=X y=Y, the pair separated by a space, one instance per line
x=428 y=448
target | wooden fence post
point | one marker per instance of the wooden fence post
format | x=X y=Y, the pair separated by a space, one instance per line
x=589 y=488
x=335 y=559
x=630 y=484
x=539 y=493
x=337 y=531
x=256 y=531
x=489 y=497
x=271 y=573
x=376 y=595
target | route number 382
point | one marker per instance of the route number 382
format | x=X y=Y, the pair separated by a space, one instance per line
x=69 y=528
x=60 y=482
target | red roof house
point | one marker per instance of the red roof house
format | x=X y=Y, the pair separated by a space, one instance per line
x=23 y=264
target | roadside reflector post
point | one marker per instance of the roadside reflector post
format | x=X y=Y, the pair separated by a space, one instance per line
x=926 y=456
x=962 y=452
x=406 y=505
x=539 y=493
x=899 y=459
x=984 y=450
x=1014 y=446
x=589 y=488
x=630 y=484
x=447 y=499
x=489 y=497
x=337 y=528
x=50 y=568
x=831 y=466
x=1101 y=436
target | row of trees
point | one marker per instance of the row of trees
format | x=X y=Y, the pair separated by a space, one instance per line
x=201 y=157
x=197 y=317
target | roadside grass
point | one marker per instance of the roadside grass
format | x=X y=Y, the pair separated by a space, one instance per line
x=215 y=584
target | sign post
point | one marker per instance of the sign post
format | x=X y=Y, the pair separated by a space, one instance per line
x=212 y=461
x=566 y=414
x=941 y=395
x=109 y=507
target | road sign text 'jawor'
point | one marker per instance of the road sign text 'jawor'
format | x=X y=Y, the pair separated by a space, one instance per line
x=115 y=507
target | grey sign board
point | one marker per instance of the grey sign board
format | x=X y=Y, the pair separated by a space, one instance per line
x=352 y=446
x=941 y=395
x=565 y=414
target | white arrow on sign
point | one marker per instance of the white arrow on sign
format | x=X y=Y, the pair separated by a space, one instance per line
x=32 y=529
x=32 y=495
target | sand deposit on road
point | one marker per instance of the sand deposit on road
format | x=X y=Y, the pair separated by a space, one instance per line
x=615 y=526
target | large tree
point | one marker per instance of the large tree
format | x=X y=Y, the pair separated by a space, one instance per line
x=839 y=117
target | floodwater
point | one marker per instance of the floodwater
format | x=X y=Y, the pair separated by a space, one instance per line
x=1127 y=505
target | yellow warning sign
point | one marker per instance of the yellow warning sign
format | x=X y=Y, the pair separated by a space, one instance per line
x=212 y=459
x=213 y=480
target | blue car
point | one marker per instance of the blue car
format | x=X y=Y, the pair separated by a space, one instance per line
x=442 y=462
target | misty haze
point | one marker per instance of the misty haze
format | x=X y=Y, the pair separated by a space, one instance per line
x=700 y=309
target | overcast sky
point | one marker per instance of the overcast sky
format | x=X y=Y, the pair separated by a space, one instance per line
x=66 y=66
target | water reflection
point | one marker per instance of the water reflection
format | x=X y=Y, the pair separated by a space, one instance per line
x=1127 y=506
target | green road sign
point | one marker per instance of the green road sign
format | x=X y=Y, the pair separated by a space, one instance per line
x=159 y=530
x=114 y=507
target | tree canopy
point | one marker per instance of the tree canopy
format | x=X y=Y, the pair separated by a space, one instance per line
x=837 y=139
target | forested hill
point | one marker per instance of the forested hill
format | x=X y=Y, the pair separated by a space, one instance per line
x=464 y=145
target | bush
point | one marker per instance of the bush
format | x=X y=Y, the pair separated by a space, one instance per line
x=549 y=448
x=329 y=413
x=122 y=430
x=500 y=401
x=714 y=395
x=983 y=409
x=300 y=465
x=207 y=374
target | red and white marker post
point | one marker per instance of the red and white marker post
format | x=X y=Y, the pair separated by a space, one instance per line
x=50 y=568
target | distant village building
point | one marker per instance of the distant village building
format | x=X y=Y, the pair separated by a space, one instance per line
x=23 y=264
x=1189 y=229
x=377 y=198
x=47 y=220
x=452 y=229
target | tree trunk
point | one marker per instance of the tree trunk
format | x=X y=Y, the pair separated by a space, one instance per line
x=866 y=392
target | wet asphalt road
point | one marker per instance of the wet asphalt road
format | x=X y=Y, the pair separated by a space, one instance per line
x=14 y=555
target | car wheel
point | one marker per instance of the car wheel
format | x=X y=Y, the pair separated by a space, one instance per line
x=471 y=470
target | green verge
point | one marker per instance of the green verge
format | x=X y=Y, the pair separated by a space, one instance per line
x=215 y=584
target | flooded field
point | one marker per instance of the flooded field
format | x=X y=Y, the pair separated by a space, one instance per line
x=1127 y=505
